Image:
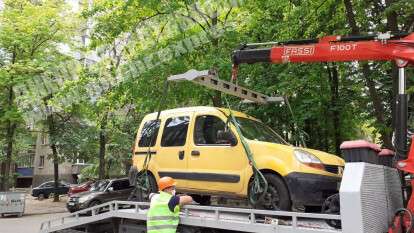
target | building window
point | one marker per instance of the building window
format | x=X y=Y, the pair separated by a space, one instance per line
x=26 y=159
x=42 y=161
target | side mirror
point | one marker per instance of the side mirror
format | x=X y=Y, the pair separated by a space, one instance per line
x=226 y=137
x=110 y=189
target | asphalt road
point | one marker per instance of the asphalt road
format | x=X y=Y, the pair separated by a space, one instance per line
x=25 y=224
x=35 y=213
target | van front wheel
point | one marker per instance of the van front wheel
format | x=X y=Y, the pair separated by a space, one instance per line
x=277 y=196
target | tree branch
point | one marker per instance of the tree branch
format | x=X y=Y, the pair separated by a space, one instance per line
x=194 y=20
x=227 y=14
x=202 y=14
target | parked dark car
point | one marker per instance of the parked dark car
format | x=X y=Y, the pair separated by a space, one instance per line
x=102 y=191
x=80 y=188
x=44 y=190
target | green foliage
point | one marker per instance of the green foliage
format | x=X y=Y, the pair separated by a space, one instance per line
x=141 y=43
x=31 y=35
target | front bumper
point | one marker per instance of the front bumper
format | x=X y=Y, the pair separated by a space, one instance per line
x=75 y=206
x=311 y=189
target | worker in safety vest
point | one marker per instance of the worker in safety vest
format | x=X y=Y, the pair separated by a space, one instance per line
x=164 y=211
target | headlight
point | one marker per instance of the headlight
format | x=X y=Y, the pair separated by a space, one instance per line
x=308 y=159
x=84 y=199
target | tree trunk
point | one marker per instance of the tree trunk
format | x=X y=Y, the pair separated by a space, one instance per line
x=378 y=107
x=335 y=109
x=376 y=100
x=55 y=170
x=10 y=129
x=216 y=98
x=2 y=174
x=102 y=145
x=392 y=25
x=52 y=144
x=214 y=20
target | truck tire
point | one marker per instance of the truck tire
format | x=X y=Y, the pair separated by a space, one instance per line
x=277 y=196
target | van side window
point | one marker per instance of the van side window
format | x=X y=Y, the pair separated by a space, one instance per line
x=175 y=131
x=206 y=130
x=149 y=132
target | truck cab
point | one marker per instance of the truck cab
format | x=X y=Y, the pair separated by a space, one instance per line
x=201 y=149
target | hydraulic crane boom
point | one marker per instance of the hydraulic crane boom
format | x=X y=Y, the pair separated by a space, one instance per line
x=332 y=49
x=380 y=47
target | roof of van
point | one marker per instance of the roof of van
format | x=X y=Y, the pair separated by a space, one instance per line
x=206 y=109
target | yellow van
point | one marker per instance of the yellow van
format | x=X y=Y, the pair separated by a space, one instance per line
x=190 y=146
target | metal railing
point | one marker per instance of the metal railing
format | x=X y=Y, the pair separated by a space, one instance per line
x=105 y=208
x=202 y=216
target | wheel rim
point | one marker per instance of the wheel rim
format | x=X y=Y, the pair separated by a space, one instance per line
x=271 y=200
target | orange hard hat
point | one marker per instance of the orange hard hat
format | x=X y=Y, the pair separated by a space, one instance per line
x=166 y=182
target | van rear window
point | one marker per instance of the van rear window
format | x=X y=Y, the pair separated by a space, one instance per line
x=149 y=133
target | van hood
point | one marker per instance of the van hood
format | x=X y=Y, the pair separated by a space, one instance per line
x=326 y=158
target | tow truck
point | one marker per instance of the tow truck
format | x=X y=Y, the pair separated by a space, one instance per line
x=371 y=196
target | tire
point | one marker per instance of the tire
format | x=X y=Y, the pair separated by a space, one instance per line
x=332 y=206
x=277 y=196
x=41 y=196
x=202 y=199
x=92 y=204
x=313 y=209
x=140 y=195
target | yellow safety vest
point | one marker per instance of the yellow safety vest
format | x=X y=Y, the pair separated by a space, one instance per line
x=160 y=219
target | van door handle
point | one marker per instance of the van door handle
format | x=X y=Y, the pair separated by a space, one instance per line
x=181 y=154
x=195 y=153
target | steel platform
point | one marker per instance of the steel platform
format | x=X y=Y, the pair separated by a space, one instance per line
x=234 y=219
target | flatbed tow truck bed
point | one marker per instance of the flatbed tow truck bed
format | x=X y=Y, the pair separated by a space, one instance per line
x=220 y=218
x=369 y=196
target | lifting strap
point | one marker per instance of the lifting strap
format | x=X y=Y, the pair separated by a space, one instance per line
x=258 y=187
x=142 y=184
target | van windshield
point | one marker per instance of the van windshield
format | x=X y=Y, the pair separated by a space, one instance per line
x=257 y=131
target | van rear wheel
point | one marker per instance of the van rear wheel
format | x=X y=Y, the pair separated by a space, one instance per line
x=141 y=194
x=277 y=196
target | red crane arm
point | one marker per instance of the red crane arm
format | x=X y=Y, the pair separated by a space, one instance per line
x=333 y=49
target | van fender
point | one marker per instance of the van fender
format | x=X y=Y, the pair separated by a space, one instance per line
x=273 y=163
x=269 y=163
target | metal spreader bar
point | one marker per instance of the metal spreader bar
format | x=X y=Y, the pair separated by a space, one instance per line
x=210 y=79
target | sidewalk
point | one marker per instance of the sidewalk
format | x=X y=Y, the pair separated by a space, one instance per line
x=46 y=206
x=35 y=213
